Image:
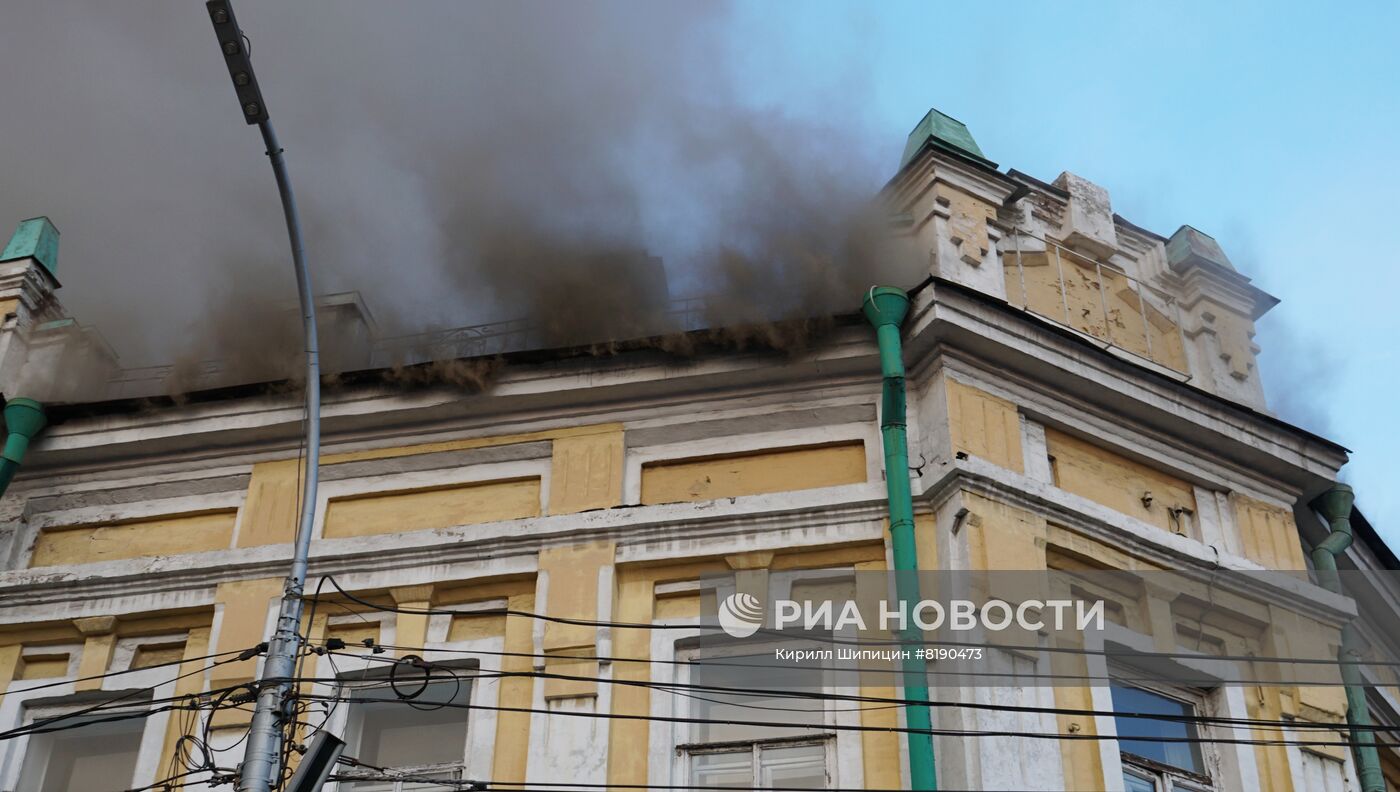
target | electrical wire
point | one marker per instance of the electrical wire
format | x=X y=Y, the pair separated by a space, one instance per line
x=557 y=786
x=830 y=727
x=721 y=663
x=123 y=672
x=42 y=727
x=862 y=728
x=1117 y=654
x=685 y=689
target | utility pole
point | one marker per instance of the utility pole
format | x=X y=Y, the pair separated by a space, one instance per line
x=261 y=766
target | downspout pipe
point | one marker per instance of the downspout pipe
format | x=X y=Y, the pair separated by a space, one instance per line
x=24 y=418
x=885 y=308
x=1335 y=506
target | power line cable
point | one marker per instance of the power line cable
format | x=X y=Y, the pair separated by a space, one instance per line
x=1117 y=654
x=41 y=727
x=111 y=674
x=709 y=662
x=683 y=688
x=829 y=727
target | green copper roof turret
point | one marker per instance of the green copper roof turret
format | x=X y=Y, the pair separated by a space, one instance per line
x=945 y=132
x=37 y=238
x=1190 y=246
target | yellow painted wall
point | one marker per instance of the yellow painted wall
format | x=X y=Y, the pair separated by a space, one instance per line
x=1262 y=703
x=627 y=745
x=573 y=594
x=985 y=426
x=967 y=222
x=735 y=475
x=101 y=641
x=879 y=749
x=435 y=507
x=164 y=535
x=411 y=621
x=474 y=627
x=195 y=647
x=269 y=513
x=243 y=623
x=1082 y=303
x=390 y=452
x=1080 y=758
x=1234 y=333
x=1269 y=535
x=586 y=472
x=44 y=666
x=148 y=655
x=515 y=692
x=1116 y=481
x=353 y=632
x=1003 y=536
x=10 y=666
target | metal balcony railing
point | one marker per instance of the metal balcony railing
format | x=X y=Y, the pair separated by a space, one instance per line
x=472 y=341
x=1097 y=300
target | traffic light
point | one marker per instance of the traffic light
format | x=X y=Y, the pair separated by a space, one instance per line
x=240 y=67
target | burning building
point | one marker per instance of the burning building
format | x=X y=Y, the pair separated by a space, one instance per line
x=524 y=542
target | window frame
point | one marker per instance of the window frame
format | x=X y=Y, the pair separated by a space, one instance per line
x=477 y=655
x=688 y=749
x=35 y=744
x=351 y=723
x=1164 y=777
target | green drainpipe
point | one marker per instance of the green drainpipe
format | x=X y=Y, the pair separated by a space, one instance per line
x=23 y=419
x=1335 y=505
x=885 y=308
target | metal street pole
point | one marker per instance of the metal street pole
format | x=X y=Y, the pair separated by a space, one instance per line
x=272 y=716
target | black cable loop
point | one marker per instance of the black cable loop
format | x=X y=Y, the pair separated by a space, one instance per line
x=416 y=661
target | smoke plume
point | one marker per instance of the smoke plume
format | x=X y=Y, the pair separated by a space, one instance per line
x=574 y=164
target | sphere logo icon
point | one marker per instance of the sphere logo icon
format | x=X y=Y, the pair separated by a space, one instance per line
x=741 y=614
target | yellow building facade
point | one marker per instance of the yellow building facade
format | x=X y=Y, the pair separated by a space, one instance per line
x=1082 y=394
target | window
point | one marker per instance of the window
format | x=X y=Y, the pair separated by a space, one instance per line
x=90 y=757
x=1158 y=755
x=730 y=755
x=415 y=740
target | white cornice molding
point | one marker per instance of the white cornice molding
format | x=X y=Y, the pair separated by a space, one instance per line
x=646 y=534
x=1000 y=336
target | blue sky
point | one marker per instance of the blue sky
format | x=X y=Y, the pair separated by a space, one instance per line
x=1271 y=127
